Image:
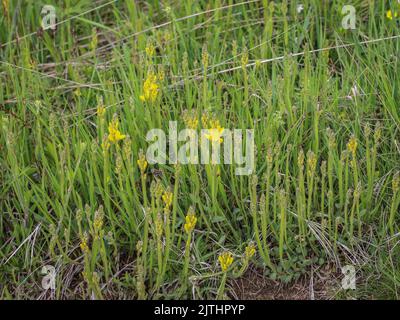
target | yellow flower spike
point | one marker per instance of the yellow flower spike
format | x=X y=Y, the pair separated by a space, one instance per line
x=331 y=138
x=159 y=225
x=225 y=260
x=215 y=134
x=205 y=118
x=114 y=135
x=101 y=109
x=161 y=73
x=250 y=251
x=352 y=145
x=105 y=145
x=190 y=221
x=214 y=123
x=193 y=123
x=142 y=162
x=204 y=57
x=150 y=50
x=311 y=161
x=83 y=245
x=167 y=198
x=98 y=219
x=190 y=119
x=390 y=15
x=150 y=88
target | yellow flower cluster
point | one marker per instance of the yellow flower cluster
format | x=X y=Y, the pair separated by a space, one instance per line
x=250 y=251
x=390 y=15
x=352 y=145
x=190 y=221
x=98 y=219
x=190 y=119
x=150 y=88
x=159 y=226
x=142 y=163
x=311 y=162
x=114 y=135
x=167 y=198
x=225 y=260
x=150 y=49
x=204 y=57
x=215 y=131
x=101 y=109
x=84 y=244
x=215 y=134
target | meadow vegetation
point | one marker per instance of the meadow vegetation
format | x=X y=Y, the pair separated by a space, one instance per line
x=76 y=189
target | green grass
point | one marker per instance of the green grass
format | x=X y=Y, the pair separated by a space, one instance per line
x=323 y=103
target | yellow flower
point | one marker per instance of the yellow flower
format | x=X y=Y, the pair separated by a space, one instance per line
x=101 y=109
x=204 y=57
x=98 y=219
x=83 y=245
x=190 y=220
x=311 y=161
x=142 y=163
x=150 y=50
x=105 y=145
x=167 y=198
x=159 y=226
x=190 y=119
x=352 y=145
x=150 y=88
x=389 y=15
x=215 y=134
x=114 y=135
x=225 y=260
x=161 y=74
x=250 y=250
x=205 y=119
